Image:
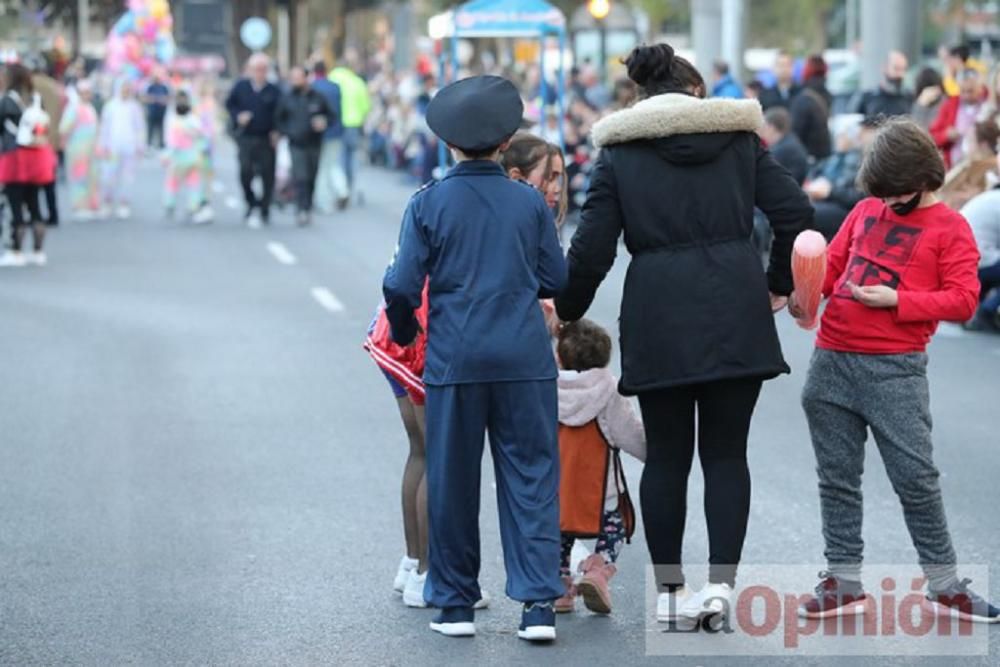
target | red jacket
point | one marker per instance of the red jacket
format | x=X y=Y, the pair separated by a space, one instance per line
x=945 y=120
x=929 y=256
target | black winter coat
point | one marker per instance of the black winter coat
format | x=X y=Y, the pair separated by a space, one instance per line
x=810 y=112
x=681 y=176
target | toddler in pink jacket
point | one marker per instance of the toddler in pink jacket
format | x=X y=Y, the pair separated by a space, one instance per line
x=595 y=422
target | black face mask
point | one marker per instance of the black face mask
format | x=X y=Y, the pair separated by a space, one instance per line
x=908 y=206
x=183 y=109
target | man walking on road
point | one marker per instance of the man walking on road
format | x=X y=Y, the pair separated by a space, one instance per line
x=251 y=104
x=331 y=181
x=303 y=116
x=354 y=105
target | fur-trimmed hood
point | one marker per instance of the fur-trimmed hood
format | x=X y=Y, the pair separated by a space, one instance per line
x=672 y=114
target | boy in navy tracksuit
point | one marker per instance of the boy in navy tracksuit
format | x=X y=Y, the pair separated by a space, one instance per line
x=489 y=246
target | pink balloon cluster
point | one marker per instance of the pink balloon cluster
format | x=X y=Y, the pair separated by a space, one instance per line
x=141 y=39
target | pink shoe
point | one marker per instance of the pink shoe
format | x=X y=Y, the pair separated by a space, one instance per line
x=567 y=602
x=593 y=587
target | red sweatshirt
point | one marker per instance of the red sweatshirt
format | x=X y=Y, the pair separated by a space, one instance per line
x=929 y=257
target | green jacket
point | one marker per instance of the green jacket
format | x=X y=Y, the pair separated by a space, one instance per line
x=354 y=102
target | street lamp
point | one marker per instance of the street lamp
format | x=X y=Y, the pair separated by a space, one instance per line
x=600 y=9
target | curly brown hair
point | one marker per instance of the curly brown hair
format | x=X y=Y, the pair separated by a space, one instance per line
x=583 y=345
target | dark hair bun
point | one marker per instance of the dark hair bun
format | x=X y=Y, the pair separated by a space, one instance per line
x=650 y=63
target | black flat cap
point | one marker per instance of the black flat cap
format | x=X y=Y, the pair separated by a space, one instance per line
x=477 y=113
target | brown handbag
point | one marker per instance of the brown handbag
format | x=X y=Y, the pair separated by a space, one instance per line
x=584 y=458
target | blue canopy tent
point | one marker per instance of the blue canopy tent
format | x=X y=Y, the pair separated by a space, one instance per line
x=507 y=18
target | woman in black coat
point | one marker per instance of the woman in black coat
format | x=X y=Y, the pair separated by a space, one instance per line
x=680 y=176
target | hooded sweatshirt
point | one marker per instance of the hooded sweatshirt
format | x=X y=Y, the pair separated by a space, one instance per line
x=593 y=394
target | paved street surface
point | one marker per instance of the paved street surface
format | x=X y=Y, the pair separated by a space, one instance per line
x=200 y=465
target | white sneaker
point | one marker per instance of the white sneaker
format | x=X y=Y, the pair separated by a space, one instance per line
x=37 y=258
x=483 y=602
x=413 y=594
x=123 y=212
x=712 y=599
x=203 y=216
x=668 y=605
x=253 y=220
x=403 y=573
x=12 y=258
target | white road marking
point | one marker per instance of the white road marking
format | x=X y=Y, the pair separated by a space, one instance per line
x=327 y=299
x=281 y=253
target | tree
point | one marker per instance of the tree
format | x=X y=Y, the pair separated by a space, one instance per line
x=796 y=25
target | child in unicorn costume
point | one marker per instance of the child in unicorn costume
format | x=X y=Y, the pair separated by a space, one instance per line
x=78 y=128
x=186 y=153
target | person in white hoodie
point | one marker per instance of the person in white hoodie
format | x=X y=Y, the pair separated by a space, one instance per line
x=595 y=422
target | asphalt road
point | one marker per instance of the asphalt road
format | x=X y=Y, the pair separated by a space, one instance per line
x=200 y=465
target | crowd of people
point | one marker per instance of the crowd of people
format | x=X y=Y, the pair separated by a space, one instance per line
x=482 y=330
x=300 y=137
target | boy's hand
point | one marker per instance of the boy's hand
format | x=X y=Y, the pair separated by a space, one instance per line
x=778 y=302
x=875 y=296
x=793 y=307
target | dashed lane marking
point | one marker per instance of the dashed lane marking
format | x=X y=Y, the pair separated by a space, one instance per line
x=281 y=253
x=327 y=299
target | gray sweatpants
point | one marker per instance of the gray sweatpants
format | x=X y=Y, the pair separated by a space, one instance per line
x=845 y=395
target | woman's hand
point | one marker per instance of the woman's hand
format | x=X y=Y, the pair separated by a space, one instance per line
x=778 y=302
x=875 y=296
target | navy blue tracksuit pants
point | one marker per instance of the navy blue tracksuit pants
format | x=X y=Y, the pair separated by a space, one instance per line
x=522 y=420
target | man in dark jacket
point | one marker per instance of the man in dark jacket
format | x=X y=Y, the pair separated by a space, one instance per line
x=811 y=109
x=784 y=89
x=784 y=145
x=251 y=105
x=789 y=152
x=889 y=99
x=303 y=116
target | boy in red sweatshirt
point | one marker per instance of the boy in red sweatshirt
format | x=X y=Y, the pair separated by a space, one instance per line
x=902 y=262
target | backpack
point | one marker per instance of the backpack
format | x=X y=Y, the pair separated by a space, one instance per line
x=584 y=458
x=33 y=129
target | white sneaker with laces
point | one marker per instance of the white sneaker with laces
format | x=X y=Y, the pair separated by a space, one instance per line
x=12 y=258
x=413 y=594
x=712 y=599
x=668 y=605
x=403 y=573
x=37 y=258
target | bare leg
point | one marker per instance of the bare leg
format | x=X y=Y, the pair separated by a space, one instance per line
x=413 y=473
x=422 y=528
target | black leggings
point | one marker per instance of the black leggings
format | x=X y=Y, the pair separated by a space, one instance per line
x=20 y=195
x=724 y=409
